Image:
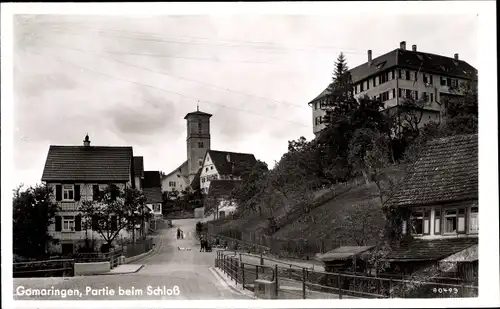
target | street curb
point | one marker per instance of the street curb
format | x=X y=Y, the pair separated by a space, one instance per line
x=145 y=255
x=124 y=273
x=230 y=285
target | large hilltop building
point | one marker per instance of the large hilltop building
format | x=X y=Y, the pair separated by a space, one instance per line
x=402 y=73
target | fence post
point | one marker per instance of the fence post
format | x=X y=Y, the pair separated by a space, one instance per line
x=276 y=278
x=261 y=259
x=256 y=272
x=304 y=283
x=339 y=286
x=243 y=274
x=390 y=287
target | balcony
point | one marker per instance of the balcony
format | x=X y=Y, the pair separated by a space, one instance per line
x=69 y=206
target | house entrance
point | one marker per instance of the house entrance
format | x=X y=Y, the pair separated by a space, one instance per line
x=67 y=249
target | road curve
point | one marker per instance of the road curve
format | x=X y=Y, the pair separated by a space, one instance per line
x=169 y=273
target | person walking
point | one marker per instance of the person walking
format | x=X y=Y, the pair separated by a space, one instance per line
x=178 y=233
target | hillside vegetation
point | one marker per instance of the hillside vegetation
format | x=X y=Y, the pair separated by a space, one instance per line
x=331 y=191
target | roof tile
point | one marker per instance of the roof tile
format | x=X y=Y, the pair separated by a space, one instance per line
x=430 y=250
x=241 y=161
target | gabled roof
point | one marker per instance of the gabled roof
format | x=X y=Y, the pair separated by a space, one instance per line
x=447 y=171
x=197 y=113
x=228 y=163
x=195 y=183
x=430 y=250
x=152 y=179
x=153 y=195
x=222 y=187
x=426 y=62
x=182 y=169
x=139 y=166
x=92 y=163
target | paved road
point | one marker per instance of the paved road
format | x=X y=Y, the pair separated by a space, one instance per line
x=167 y=268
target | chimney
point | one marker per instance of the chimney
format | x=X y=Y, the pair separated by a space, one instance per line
x=369 y=57
x=456 y=57
x=414 y=47
x=86 y=141
x=402 y=45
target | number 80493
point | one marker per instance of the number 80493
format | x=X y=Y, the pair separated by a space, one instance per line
x=445 y=290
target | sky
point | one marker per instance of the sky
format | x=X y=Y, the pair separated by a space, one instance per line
x=130 y=80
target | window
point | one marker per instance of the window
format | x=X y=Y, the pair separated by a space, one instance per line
x=416 y=95
x=474 y=220
x=408 y=75
x=355 y=89
x=400 y=74
x=211 y=167
x=425 y=79
x=200 y=162
x=171 y=183
x=361 y=87
x=454 y=83
x=367 y=84
x=400 y=92
x=68 y=193
x=443 y=81
x=383 y=77
x=374 y=82
x=416 y=76
x=437 y=222
x=448 y=82
x=408 y=93
x=393 y=93
x=430 y=79
x=199 y=126
x=157 y=207
x=384 y=96
x=68 y=224
x=200 y=144
x=432 y=97
x=202 y=179
x=206 y=169
x=450 y=221
x=392 y=74
x=425 y=96
x=420 y=222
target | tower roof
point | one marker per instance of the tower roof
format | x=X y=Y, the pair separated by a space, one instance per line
x=197 y=113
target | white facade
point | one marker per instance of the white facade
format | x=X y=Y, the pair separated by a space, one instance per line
x=69 y=211
x=155 y=209
x=208 y=173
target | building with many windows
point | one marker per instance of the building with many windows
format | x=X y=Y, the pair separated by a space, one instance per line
x=400 y=74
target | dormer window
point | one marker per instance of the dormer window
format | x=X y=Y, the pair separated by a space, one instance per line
x=420 y=223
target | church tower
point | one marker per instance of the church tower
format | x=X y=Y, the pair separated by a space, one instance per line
x=198 y=140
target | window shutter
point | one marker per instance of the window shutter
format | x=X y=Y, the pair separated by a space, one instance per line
x=426 y=223
x=95 y=226
x=95 y=192
x=77 y=192
x=58 y=223
x=114 y=223
x=78 y=223
x=58 y=192
x=461 y=221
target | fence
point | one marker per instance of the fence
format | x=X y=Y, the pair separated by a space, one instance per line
x=236 y=244
x=46 y=268
x=139 y=247
x=296 y=282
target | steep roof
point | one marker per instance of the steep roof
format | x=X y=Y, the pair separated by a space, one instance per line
x=152 y=179
x=197 y=113
x=153 y=195
x=222 y=187
x=430 y=250
x=447 y=171
x=426 y=62
x=241 y=161
x=139 y=166
x=195 y=183
x=92 y=163
x=182 y=170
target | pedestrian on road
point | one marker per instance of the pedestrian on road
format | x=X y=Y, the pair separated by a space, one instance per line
x=178 y=232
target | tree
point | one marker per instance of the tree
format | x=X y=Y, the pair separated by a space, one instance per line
x=33 y=212
x=362 y=223
x=246 y=196
x=340 y=67
x=116 y=210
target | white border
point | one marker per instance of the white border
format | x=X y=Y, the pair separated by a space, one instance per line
x=488 y=168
